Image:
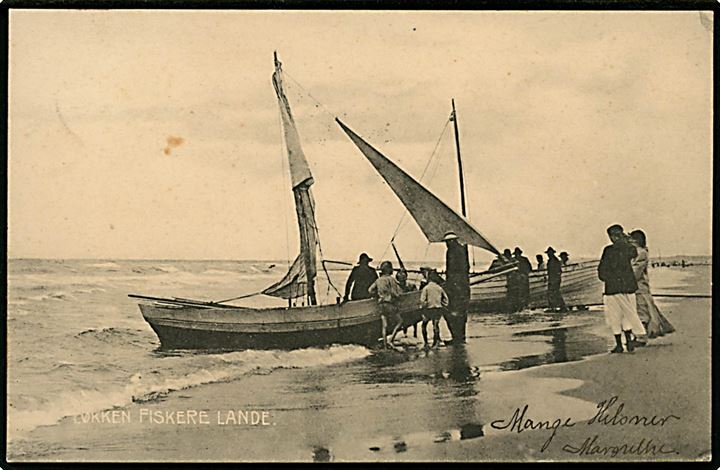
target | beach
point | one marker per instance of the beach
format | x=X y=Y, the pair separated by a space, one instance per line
x=526 y=387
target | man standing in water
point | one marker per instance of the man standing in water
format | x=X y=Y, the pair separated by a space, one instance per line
x=615 y=270
x=457 y=286
x=387 y=291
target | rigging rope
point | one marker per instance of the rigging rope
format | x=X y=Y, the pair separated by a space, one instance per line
x=331 y=114
x=427 y=166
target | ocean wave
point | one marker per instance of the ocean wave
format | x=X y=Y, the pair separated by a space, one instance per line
x=110 y=266
x=89 y=290
x=165 y=269
x=57 y=295
x=220 y=272
x=156 y=385
x=117 y=336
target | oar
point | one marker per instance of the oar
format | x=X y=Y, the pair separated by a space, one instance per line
x=345 y=263
x=503 y=273
x=181 y=301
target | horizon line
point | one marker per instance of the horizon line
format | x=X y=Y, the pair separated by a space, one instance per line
x=20 y=258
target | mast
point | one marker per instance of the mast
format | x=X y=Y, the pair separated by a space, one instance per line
x=463 y=208
x=300 y=278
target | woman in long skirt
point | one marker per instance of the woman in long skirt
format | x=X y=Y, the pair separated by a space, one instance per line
x=655 y=322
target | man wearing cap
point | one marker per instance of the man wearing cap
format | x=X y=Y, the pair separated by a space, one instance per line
x=387 y=291
x=564 y=258
x=457 y=286
x=554 y=270
x=361 y=277
x=615 y=270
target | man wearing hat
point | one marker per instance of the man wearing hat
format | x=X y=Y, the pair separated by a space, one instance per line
x=457 y=286
x=524 y=268
x=361 y=277
x=615 y=270
x=554 y=270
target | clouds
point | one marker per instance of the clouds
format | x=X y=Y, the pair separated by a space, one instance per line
x=569 y=122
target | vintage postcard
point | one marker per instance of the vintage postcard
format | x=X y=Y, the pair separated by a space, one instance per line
x=267 y=235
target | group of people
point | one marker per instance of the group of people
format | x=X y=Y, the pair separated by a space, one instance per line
x=447 y=299
x=629 y=307
x=518 y=280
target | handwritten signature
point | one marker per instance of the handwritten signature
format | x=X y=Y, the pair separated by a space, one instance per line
x=610 y=413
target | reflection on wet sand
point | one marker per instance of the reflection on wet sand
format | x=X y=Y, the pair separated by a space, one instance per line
x=567 y=344
x=450 y=409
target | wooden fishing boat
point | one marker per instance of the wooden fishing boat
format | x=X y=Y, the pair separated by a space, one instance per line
x=217 y=326
x=195 y=324
x=580 y=288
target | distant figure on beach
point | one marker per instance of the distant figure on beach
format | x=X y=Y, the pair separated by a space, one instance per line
x=652 y=319
x=434 y=303
x=564 y=258
x=554 y=296
x=524 y=268
x=540 y=262
x=361 y=277
x=457 y=286
x=615 y=270
x=387 y=291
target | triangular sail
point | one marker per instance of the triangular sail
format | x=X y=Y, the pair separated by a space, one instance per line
x=433 y=216
x=299 y=281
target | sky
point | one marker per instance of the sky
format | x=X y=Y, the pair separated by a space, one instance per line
x=148 y=134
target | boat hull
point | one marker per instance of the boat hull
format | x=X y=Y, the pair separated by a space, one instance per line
x=213 y=328
x=580 y=287
x=358 y=322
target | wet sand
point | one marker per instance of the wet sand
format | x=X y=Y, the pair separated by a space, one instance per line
x=436 y=405
x=671 y=376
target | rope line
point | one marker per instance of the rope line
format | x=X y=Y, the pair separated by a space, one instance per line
x=331 y=114
x=422 y=176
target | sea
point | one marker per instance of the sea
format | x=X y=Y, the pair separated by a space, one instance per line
x=78 y=344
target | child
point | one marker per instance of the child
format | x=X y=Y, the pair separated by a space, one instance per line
x=434 y=302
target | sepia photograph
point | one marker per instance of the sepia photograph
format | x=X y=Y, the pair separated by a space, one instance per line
x=359 y=236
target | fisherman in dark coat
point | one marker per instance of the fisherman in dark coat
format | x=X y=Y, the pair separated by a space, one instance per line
x=457 y=286
x=512 y=285
x=554 y=270
x=615 y=270
x=524 y=268
x=361 y=277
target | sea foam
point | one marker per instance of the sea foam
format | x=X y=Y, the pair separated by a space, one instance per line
x=153 y=385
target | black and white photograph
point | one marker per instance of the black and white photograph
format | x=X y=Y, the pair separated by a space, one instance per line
x=271 y=235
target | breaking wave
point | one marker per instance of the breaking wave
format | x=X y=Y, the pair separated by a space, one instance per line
x=155 y=385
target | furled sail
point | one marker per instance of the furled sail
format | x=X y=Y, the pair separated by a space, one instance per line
x=299 y=280
x=433 y=216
